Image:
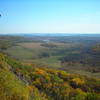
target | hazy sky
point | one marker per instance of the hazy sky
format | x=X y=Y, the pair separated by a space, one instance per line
x=50 y=16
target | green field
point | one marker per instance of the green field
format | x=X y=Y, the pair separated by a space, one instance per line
x=31 y=54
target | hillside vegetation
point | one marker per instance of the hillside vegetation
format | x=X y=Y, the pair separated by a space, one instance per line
x=30 y=82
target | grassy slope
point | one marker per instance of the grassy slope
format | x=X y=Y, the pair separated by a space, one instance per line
x=12 y=84
x=11 y=88
x=43 y=83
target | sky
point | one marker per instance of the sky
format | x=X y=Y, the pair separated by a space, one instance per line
x=50 y=16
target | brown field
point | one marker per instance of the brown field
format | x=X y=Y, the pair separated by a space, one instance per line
x=31 y=45
x=68 y=45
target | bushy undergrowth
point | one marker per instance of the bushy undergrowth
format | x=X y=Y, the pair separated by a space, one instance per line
x=25 y=82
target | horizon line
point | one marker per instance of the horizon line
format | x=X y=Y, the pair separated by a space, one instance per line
x=49 y=33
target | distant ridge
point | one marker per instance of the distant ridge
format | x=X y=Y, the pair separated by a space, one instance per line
x=52 y=34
